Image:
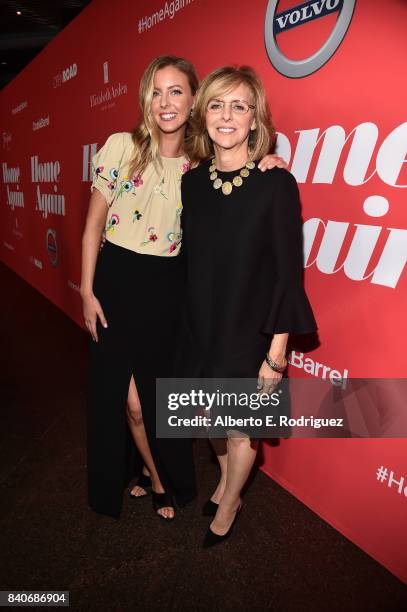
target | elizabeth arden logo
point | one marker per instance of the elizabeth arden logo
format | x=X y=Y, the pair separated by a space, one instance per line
x=108 y=96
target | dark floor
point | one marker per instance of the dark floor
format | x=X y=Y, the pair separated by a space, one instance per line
x=281 y=556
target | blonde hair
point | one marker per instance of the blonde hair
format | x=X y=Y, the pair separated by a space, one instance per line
x=145 y=135
x=217 y=83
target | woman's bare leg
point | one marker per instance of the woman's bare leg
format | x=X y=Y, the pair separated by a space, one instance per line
x=136 y=424
x=240 y=459
x=220 y=448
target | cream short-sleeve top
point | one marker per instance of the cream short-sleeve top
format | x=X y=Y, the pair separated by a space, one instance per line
x=144 y=211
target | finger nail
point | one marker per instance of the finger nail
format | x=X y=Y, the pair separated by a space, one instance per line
x=105 y=325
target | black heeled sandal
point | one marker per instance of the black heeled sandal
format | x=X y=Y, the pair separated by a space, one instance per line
x=212 y=538
x=144 y=482
x=210 y=508
x=162 y=500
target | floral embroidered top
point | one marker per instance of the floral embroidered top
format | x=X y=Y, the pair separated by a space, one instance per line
x=144 y=211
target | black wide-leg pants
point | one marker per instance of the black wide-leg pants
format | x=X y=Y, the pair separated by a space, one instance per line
x=141 y=297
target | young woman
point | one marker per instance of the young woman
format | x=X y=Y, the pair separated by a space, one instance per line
x=132 y=291
x=242 y=241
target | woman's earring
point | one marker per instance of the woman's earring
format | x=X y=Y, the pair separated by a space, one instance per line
x=191 y=112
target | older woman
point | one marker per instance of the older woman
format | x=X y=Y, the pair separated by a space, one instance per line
x=242 y=241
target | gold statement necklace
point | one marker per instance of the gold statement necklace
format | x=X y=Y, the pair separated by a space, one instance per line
x=237 y=180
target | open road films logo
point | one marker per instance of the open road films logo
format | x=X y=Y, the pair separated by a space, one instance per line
x=296 y=16
x=65 y=75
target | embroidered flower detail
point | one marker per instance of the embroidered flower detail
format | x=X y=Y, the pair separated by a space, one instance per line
x=99 y=169
x=158 y=189
x=114 y=173
x=185 y=167
x=111 y=185
x=178 y=210
x=137 y=180
x=126 y=186
x=136 y=216
x=175 y=239
x=152 y=237
x=113 y=221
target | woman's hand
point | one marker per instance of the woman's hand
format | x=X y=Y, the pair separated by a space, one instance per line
x=271 y=161
x=267 y=379
x=91 y=311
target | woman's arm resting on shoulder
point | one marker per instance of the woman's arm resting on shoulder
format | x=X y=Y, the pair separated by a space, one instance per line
x=95 y=224
x=271 y=161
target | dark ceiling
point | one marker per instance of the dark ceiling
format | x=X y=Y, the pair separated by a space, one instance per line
x=23 y=36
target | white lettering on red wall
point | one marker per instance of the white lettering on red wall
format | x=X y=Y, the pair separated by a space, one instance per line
x=11 y=178
x=47 y=172
x=324 y=239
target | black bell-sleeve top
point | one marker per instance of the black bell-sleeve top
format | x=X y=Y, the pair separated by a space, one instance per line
x=244 y=269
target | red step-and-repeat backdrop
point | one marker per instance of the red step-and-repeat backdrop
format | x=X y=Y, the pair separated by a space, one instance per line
x=335 y=72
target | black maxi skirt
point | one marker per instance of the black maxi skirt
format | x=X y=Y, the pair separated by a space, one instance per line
x=141 y=297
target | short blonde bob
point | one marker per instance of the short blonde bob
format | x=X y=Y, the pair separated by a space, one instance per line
x=218 y=83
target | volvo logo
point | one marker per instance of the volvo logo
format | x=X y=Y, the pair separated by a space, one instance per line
x=52 y=246
x=296 y=16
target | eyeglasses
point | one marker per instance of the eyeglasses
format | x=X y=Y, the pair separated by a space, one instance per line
x=240 y=107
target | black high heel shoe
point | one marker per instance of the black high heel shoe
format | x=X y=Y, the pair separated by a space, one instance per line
x=210 y=508
x=212 y=538
x=144 y=482
x=162 y=500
